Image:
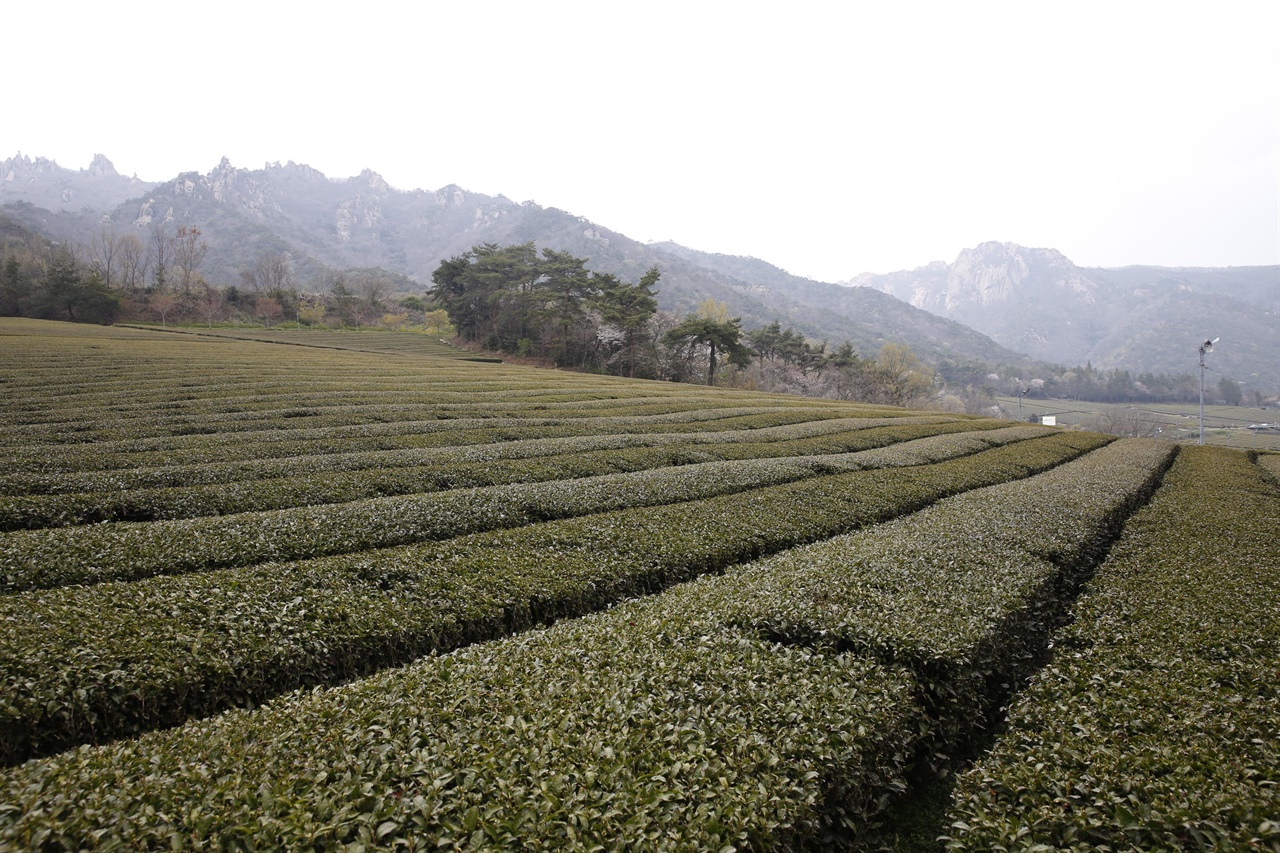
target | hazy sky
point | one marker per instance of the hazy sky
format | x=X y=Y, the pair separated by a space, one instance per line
x=829 y=138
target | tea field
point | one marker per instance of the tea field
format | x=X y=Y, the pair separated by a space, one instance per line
x=358 y=591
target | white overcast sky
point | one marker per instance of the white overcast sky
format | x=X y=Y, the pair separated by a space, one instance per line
x=830 y=138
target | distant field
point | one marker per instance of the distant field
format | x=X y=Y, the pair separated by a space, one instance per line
x=392 y=343
x=1224 y=426
x=317 y=590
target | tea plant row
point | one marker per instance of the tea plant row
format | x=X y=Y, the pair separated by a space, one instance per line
x=207 y=444
x=61 y=556
x=423 y=443
x=676 y=721
x=94 y=662
x=1155 y=726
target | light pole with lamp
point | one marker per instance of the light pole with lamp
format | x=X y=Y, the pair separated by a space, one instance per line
x=1205 y=347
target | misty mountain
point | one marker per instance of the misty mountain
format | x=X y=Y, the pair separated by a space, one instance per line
x=361 y=222
x=825 y=310
x=44 y=184
x=997 y=303
x=1140 y=318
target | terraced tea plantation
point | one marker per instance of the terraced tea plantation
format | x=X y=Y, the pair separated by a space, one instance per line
x=352 y=591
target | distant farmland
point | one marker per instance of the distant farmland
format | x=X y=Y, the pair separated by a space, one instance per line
x=355 y=591
x=1238 y=427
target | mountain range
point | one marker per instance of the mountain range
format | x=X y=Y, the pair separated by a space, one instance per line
x=997 y=303
x=1139 y=318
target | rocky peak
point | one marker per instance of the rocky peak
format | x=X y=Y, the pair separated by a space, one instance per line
x=43 y=183
x=374 y=182
x=22 y=168
x=224 y=184
x=305 y=171
x=450 y=195
x=102 y=166
x=990 y=272
x=998 y=272
x=222 y=179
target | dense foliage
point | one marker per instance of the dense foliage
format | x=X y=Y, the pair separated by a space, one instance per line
x=513 y=299
x=268 y=483
x=1155 y=726
x=169 y=647
x=662 y=722
x=59 y=289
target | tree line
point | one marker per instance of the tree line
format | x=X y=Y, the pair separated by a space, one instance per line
x=523 y=301
x=156 y=274
x=90 y=282
x=547 y=304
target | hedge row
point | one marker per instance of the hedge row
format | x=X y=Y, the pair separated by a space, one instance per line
x=248 y=397
x=43 y=390
x=1270 y=462
x=132 y=397
x=511 y=462
x=42 y=559
x=967 y=592
x=650 y=727
x=186 y=362
x=89 y=663
x=72 y=369
x=80 y=430
x=393 y=423
x=173 y=404
x=434 y=446
x=665 y=723
x=1155 y=726
x=216 y=447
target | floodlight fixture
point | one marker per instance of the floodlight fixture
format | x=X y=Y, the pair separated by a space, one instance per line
x=1205 y=347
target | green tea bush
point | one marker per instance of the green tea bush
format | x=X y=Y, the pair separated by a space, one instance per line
x=212 y=445
x=339 y=478
x=667 y=722
x=1270 y=462
x=1154 y=727
x=61 y=556
x=966 y=592
x=648 y=727
x=89 y=663
x=110 y=466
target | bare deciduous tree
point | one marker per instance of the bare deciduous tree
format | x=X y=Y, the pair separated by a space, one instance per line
x=373 y=289
x=211 y=304
x=163 y=304
x=133 y=262
x=188 y=253
x=271 y=274
x=901 y=375
x=160 y=253
x=105 y=250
